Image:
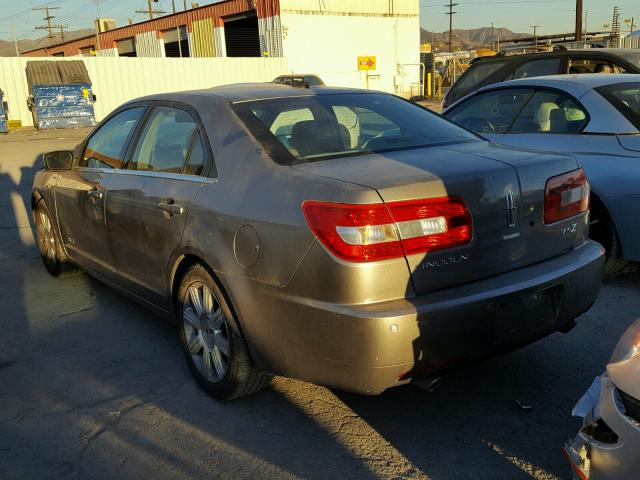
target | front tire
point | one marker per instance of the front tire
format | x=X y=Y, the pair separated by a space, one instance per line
x=213 y=345
x=55 y=259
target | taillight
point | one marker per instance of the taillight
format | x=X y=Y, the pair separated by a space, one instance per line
x=365 y=233
x=566 y=196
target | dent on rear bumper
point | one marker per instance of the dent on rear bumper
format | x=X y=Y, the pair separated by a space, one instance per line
x=595 y=460
x=372 y=346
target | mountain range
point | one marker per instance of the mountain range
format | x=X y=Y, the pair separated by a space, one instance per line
x=462 y=39
x=8 y=49
x=469 y=39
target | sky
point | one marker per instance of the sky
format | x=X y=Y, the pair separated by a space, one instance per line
x=553 y=16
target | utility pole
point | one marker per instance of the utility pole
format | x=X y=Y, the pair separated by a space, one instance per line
x=173 y=6
x=150 y=11
x=630 y=22
x=451 y=13
x=584 y=23
x=184 y=3
x=535 y=35
x=579 y=9
x=492 y=36
x=15 y=39
x=49 y=27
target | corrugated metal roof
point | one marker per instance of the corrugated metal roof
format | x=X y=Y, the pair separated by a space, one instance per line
x=216 y=12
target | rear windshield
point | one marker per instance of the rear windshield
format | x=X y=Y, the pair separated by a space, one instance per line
x=308 y=128
x=631 y=58
x=626 y=98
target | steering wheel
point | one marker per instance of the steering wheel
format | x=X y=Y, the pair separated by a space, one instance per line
x=479 y=125
x=380 y=135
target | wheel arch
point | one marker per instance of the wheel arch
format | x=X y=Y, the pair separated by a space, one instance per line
x=36 y=196
x=180 y=265
x=598 y=202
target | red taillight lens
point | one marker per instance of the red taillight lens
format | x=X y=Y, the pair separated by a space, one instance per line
x=365 y=233
x=566 y=196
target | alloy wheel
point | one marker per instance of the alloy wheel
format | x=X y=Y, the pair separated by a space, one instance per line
x=46 y=237
x=206 y=332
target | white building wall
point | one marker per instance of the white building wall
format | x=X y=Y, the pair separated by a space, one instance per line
x=118 y=80
x=327 y=37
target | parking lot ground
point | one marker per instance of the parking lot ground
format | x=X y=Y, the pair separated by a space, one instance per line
x=94 y=386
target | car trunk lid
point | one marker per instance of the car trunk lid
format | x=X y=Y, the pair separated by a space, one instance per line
x=503 y=189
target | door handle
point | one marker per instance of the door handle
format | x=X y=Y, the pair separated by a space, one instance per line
x=95 y=193
x=171 y=208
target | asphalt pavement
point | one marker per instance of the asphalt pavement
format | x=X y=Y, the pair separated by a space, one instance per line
x=93 y=386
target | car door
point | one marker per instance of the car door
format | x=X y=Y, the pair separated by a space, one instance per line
x=148 y=201
x=81 y=192
x=490 y=113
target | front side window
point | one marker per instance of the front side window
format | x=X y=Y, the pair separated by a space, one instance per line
x=329 y=126
x=165 y=141
x=106 y=148
x=550 y=112
x=625 y=97
x=538 y=68
x=490 y=112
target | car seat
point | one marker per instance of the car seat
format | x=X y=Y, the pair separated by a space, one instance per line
x=543 y=116
x=316 y=137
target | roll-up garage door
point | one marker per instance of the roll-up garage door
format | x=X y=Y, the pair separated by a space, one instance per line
x=241 y=35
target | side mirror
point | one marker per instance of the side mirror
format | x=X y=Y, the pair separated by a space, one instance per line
x=60 y=160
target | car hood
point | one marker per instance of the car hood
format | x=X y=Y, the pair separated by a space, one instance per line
x=626 y=374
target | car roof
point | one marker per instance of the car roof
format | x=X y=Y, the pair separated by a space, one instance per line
x=576 y=85
x=243 y=92
x=295 y=75
x=618 y=52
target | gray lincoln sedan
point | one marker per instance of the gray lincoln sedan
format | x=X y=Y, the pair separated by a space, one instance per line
x=344 y=237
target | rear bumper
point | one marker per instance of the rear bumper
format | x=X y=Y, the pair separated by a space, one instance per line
x=368 y=348
x=591 y=459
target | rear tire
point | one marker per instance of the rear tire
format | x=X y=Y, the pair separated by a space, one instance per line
x=212 y=342
x=55 y=259
x=603 y=231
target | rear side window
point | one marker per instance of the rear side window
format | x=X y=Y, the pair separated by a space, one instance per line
x=550 y=112
x=197 y=157
x=490 y=112
x=626 y=98
x=477 y=74
x=538 y=68
x=106 y=147
x=165 y=141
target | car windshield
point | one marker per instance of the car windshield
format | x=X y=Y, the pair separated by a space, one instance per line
x=329 y=126
x=626 y=98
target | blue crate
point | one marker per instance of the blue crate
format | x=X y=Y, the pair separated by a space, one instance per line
x=63 y=106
